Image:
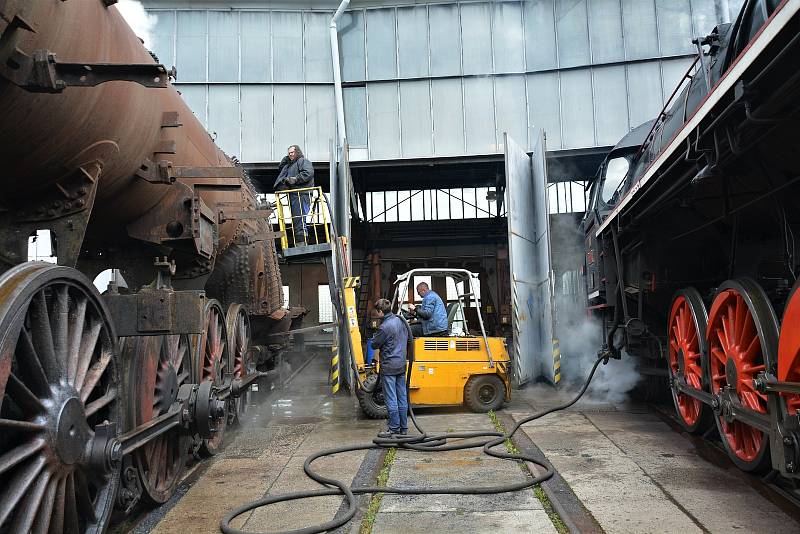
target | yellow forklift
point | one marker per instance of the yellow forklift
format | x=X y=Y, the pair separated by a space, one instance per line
x=466 y=367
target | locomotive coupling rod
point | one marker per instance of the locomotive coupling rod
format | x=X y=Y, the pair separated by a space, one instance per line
x=703 y=396
x=236 y=387
x=766 y=383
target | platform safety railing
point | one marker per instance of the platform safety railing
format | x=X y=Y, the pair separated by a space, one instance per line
x=303 y=217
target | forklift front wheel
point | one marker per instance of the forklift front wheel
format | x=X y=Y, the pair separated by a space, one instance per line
x=484 y=393
x=371 y=398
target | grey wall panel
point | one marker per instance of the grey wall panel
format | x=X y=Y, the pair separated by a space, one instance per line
x=672 y=70
x=287 y=46
x=256 y=46
x=256 y=108
x=320 y=121
x=704 y=17
x=610 y=104
x=448 y=117
x=351 y=37
x=195 y=98
x=512 y=115
x=509 y=43
x=639 y=25
x=605 y=31
x=224 y=118
x=191 y=57
x=540 y=34
x=674 y=26
x=576 y=108
x=317 y=47
x=476 y=38
x=572 y=29
x=445 y=39
x=645 y=98
x=384 y=124
x=381 y=44
x=288 y=124
x=479 y=111
x=415 y=118
x=544 y=107
x=412 y=41
x=163 y=38
x=734 y=6
x=355 y=115
x=223 y=46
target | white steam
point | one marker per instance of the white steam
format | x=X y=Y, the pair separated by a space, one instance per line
x=580 y=335
x=141 y=22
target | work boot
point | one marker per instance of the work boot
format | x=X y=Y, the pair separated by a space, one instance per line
x=403 y=433
x=386 y=434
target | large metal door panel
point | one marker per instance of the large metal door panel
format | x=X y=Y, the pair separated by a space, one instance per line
x=529 y=259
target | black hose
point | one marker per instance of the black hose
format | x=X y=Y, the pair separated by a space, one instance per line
x=424 y=442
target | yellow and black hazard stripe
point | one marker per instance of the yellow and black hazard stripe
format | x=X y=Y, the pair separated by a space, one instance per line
x=556 y=362
x=351 y=281
x=335 y=369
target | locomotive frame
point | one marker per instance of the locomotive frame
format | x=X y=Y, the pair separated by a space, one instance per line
x=690 y=241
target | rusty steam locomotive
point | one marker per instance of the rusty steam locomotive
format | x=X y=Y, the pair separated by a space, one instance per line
x=102 y=397
x=691 y=238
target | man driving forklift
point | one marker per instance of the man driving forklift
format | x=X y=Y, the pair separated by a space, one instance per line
x=431 y=311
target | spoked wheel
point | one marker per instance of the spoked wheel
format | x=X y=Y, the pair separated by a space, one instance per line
x=789 y=348
x=58 y=380
x=742 y=339
x=238 y=326
x=212 y=364
x=688 y=353
x=159 y=366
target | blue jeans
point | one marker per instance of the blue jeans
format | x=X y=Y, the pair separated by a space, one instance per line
x=299 y=204
x=394 y=393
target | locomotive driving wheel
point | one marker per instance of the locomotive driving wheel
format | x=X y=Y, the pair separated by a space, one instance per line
x=238 y=326
x=58 y=381
x=742 y=340
x=159 y=366
x=688 y=353
x=789 y=348
x=211 y=363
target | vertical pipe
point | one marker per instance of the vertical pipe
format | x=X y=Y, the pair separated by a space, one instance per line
x=337 y=74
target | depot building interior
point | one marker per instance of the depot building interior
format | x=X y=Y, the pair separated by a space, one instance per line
x=600 y=192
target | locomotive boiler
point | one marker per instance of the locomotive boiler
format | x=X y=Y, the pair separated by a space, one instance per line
x=103 y=397
x=691 y=240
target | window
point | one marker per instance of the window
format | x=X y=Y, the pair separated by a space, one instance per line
x=616 y=170
x=324 y=304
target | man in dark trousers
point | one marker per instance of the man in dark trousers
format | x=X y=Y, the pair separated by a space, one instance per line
x=392 y=339
x=431 y=311
x=296 y=172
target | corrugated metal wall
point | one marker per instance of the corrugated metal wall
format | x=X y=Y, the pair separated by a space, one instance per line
x=441 y=79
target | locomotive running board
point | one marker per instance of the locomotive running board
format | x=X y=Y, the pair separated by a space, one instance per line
x=780 y=19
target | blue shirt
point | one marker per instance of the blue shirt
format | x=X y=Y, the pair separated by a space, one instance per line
x=392 y=339
x=433 y=314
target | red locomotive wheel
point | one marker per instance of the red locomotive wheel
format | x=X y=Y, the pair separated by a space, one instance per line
x=789 y=348
x=742 y=340
x=212 y=363
x=238 y=326
x=688 y=355
x=159 y=366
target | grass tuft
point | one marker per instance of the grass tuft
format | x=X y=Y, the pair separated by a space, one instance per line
x=537 y=489
x=375 y=502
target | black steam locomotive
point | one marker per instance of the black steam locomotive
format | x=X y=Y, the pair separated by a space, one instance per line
x=691 y=236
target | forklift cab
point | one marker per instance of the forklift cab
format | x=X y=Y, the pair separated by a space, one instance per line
x=464 y=367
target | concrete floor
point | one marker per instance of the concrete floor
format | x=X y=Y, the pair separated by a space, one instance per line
x=630 y=470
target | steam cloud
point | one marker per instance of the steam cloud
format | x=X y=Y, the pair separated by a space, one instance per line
x=579 y=334
x=141 y=22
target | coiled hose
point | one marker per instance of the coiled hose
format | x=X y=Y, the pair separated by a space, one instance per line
x=423 y=442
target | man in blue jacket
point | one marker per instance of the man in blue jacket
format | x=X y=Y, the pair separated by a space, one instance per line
x=296 y=172
x=431 y=311
x=392 y=340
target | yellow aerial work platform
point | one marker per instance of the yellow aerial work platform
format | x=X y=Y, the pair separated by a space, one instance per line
x=466 y=367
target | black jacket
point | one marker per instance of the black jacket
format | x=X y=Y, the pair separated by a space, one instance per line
x=392 y=340
x=300 y=168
